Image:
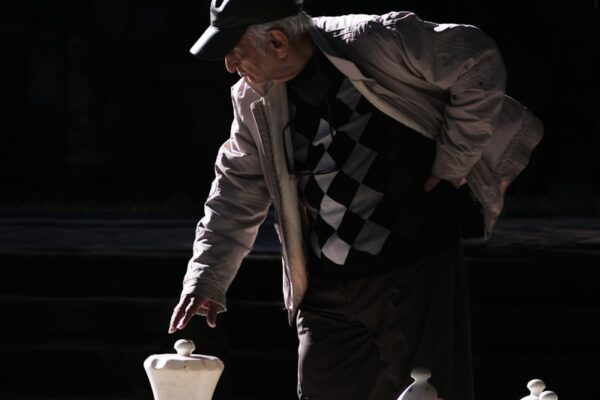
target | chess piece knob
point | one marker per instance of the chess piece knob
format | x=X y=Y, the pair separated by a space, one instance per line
x=535 y=386
x=420 y=389
x=183 y=376
x=184 y=347
x=548 y=395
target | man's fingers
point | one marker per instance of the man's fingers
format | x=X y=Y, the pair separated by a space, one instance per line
x=189 y=306
x=430 y=183
x=211 y=315
x=193 y=305
x=459 y=182
x=433 y=181
x=182 y=313
x=176 y=316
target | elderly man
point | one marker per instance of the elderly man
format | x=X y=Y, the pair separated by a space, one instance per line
x=358 y=130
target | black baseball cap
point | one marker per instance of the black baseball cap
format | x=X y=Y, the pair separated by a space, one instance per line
x=229 y=20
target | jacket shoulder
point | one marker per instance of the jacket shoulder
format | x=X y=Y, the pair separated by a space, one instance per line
x=354 y=21
x=355 y=27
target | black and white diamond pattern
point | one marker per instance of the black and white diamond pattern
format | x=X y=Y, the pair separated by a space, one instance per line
x=347 y=183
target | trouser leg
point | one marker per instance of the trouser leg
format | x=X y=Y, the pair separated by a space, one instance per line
x=361 y=338
x=423 y=320
x=338 y=358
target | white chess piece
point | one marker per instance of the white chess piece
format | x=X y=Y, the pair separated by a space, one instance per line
x=535 y=386
x=548 y=395
x=183 y=376
x=420 y=389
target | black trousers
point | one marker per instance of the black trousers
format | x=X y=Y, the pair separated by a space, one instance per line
x=359 y=339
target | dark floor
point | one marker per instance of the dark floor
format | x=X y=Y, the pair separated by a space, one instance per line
x=85 y=300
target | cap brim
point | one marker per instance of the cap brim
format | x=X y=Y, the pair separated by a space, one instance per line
x=215 y=43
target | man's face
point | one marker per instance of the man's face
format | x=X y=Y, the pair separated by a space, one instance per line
x=251 y=65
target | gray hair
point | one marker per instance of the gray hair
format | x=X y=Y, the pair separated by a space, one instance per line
x=294 y=27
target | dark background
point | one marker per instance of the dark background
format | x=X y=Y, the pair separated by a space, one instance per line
x=104 y=108
x=108 y=132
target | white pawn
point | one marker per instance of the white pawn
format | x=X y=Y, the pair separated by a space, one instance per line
x=535 y=386
x=183 y=376
x=548 y=395
x=420 y=389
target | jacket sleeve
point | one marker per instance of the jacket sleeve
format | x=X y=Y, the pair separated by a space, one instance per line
x=236 y=206
x=466 y=63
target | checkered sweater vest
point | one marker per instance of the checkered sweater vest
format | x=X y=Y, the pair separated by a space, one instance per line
x=361 y=178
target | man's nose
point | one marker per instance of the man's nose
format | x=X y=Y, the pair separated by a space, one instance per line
x=231 y=63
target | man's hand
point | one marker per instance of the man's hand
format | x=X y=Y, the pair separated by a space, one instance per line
x=433 y=181
x=190 y=305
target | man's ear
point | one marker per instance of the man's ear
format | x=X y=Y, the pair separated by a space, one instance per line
x=278 y=42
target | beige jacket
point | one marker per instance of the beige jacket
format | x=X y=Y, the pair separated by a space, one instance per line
x=445 y=81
